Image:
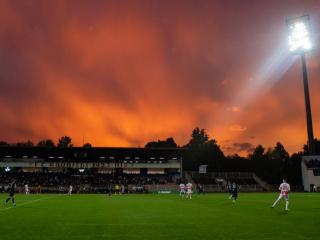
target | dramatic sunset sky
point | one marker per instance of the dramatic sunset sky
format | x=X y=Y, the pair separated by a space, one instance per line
x=122 y=73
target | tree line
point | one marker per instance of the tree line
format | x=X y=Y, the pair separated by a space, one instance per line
x=270 y=164
x=63 y=142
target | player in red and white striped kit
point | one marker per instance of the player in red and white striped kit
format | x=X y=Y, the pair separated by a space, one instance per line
x=182 y=189
x=189 y=190
x=284 y=193
x=70 y=190
x=26 y=189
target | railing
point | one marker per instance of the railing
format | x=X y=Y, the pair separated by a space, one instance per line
x=223 y=175
x=243 y=188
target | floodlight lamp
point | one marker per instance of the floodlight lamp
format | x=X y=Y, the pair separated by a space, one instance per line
x=300 y=40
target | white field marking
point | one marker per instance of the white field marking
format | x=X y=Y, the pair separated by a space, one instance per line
x=29 y=202
x=126 y=224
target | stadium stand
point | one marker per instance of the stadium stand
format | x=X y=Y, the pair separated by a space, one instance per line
x=91 y=169
x=218 y=181
x=98 y=170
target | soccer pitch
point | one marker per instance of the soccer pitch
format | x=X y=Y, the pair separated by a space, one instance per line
x=153 y=216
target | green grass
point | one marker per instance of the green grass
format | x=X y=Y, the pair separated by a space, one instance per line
x=154 y=217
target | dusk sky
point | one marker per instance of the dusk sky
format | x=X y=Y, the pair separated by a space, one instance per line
x=122 y=73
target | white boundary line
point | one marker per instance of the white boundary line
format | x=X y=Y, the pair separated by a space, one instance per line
x=29 y=202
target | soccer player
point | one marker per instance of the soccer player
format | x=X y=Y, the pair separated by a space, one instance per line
x=39 y=189
x=200 y=189
x=12 y=189
x=123 y=189
x=70 y=190
x=26 y=189
x=109 y=189
x=284 y=193
x=229 y=187
x=182 y=189
x=117 y=189
x=234 y=192
x=189 y=190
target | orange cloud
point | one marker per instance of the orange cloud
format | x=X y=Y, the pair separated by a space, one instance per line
x=122 y=74
x=237 y=128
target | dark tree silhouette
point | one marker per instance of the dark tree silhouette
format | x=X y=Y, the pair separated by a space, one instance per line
x=277 y=159
x=316 y=144
x=3 y=143
x=87 y=145
x=65 y=142
x=292 y=170
x=279 y=153
x=25 y=144
x=203 y=151
x=168 y=143
x=199 y=137
x=270 y=165
x=46 y=143
x=237 y=163
x=258 y=153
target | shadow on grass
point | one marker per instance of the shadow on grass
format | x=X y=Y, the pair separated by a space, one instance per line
x=281 y=212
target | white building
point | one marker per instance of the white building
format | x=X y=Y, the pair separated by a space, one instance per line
x=310 y=167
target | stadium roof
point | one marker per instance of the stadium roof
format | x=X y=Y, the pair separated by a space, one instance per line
x=94 y=153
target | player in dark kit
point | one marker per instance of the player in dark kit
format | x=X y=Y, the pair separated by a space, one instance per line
x=229 y=187
x=109 y=189
x=234 y=192
x=12 y=189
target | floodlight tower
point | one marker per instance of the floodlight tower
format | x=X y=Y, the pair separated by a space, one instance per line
x=300 y=42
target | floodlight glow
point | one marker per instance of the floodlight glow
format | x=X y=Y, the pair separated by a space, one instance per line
x=7 y=169
x=300 y=40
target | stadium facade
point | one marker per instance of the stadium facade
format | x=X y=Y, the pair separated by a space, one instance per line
x=310 y=167
x=90 y=169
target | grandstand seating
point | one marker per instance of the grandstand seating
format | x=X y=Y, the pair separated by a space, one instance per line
x=83 y=182
x=218 y=181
